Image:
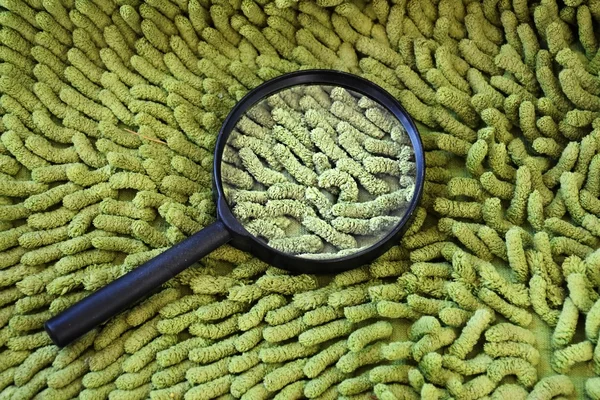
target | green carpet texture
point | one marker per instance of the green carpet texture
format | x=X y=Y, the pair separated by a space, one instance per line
x=110 y=112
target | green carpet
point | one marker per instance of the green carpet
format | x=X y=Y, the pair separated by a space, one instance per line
x=110 y=112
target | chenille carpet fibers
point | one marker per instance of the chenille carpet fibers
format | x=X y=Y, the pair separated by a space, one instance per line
x=110 y=111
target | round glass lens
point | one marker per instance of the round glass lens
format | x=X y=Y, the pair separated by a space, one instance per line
x=318 y=171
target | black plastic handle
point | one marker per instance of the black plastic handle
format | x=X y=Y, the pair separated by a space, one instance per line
x=134 y=286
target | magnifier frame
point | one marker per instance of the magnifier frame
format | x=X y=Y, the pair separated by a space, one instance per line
x=134 y=286
x=244 y=240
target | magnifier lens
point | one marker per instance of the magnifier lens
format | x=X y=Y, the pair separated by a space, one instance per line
x=318 y=171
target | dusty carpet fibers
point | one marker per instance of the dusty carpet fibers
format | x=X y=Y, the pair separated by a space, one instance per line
x=109 y=117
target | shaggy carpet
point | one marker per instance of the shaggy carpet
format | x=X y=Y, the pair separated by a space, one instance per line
x=110 y=111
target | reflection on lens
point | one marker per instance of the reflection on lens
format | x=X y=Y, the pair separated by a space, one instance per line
x=318 y=171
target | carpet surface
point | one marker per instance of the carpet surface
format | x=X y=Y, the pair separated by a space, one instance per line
x=110 y=111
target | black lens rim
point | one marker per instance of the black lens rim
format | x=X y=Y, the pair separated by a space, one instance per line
x=243 y=240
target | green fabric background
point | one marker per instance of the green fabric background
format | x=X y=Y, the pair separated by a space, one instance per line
x=110 y=110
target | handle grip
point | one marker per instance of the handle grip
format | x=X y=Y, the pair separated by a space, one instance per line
x=125 y=291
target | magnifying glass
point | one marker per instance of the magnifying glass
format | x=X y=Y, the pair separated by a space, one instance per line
x=315 y=171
